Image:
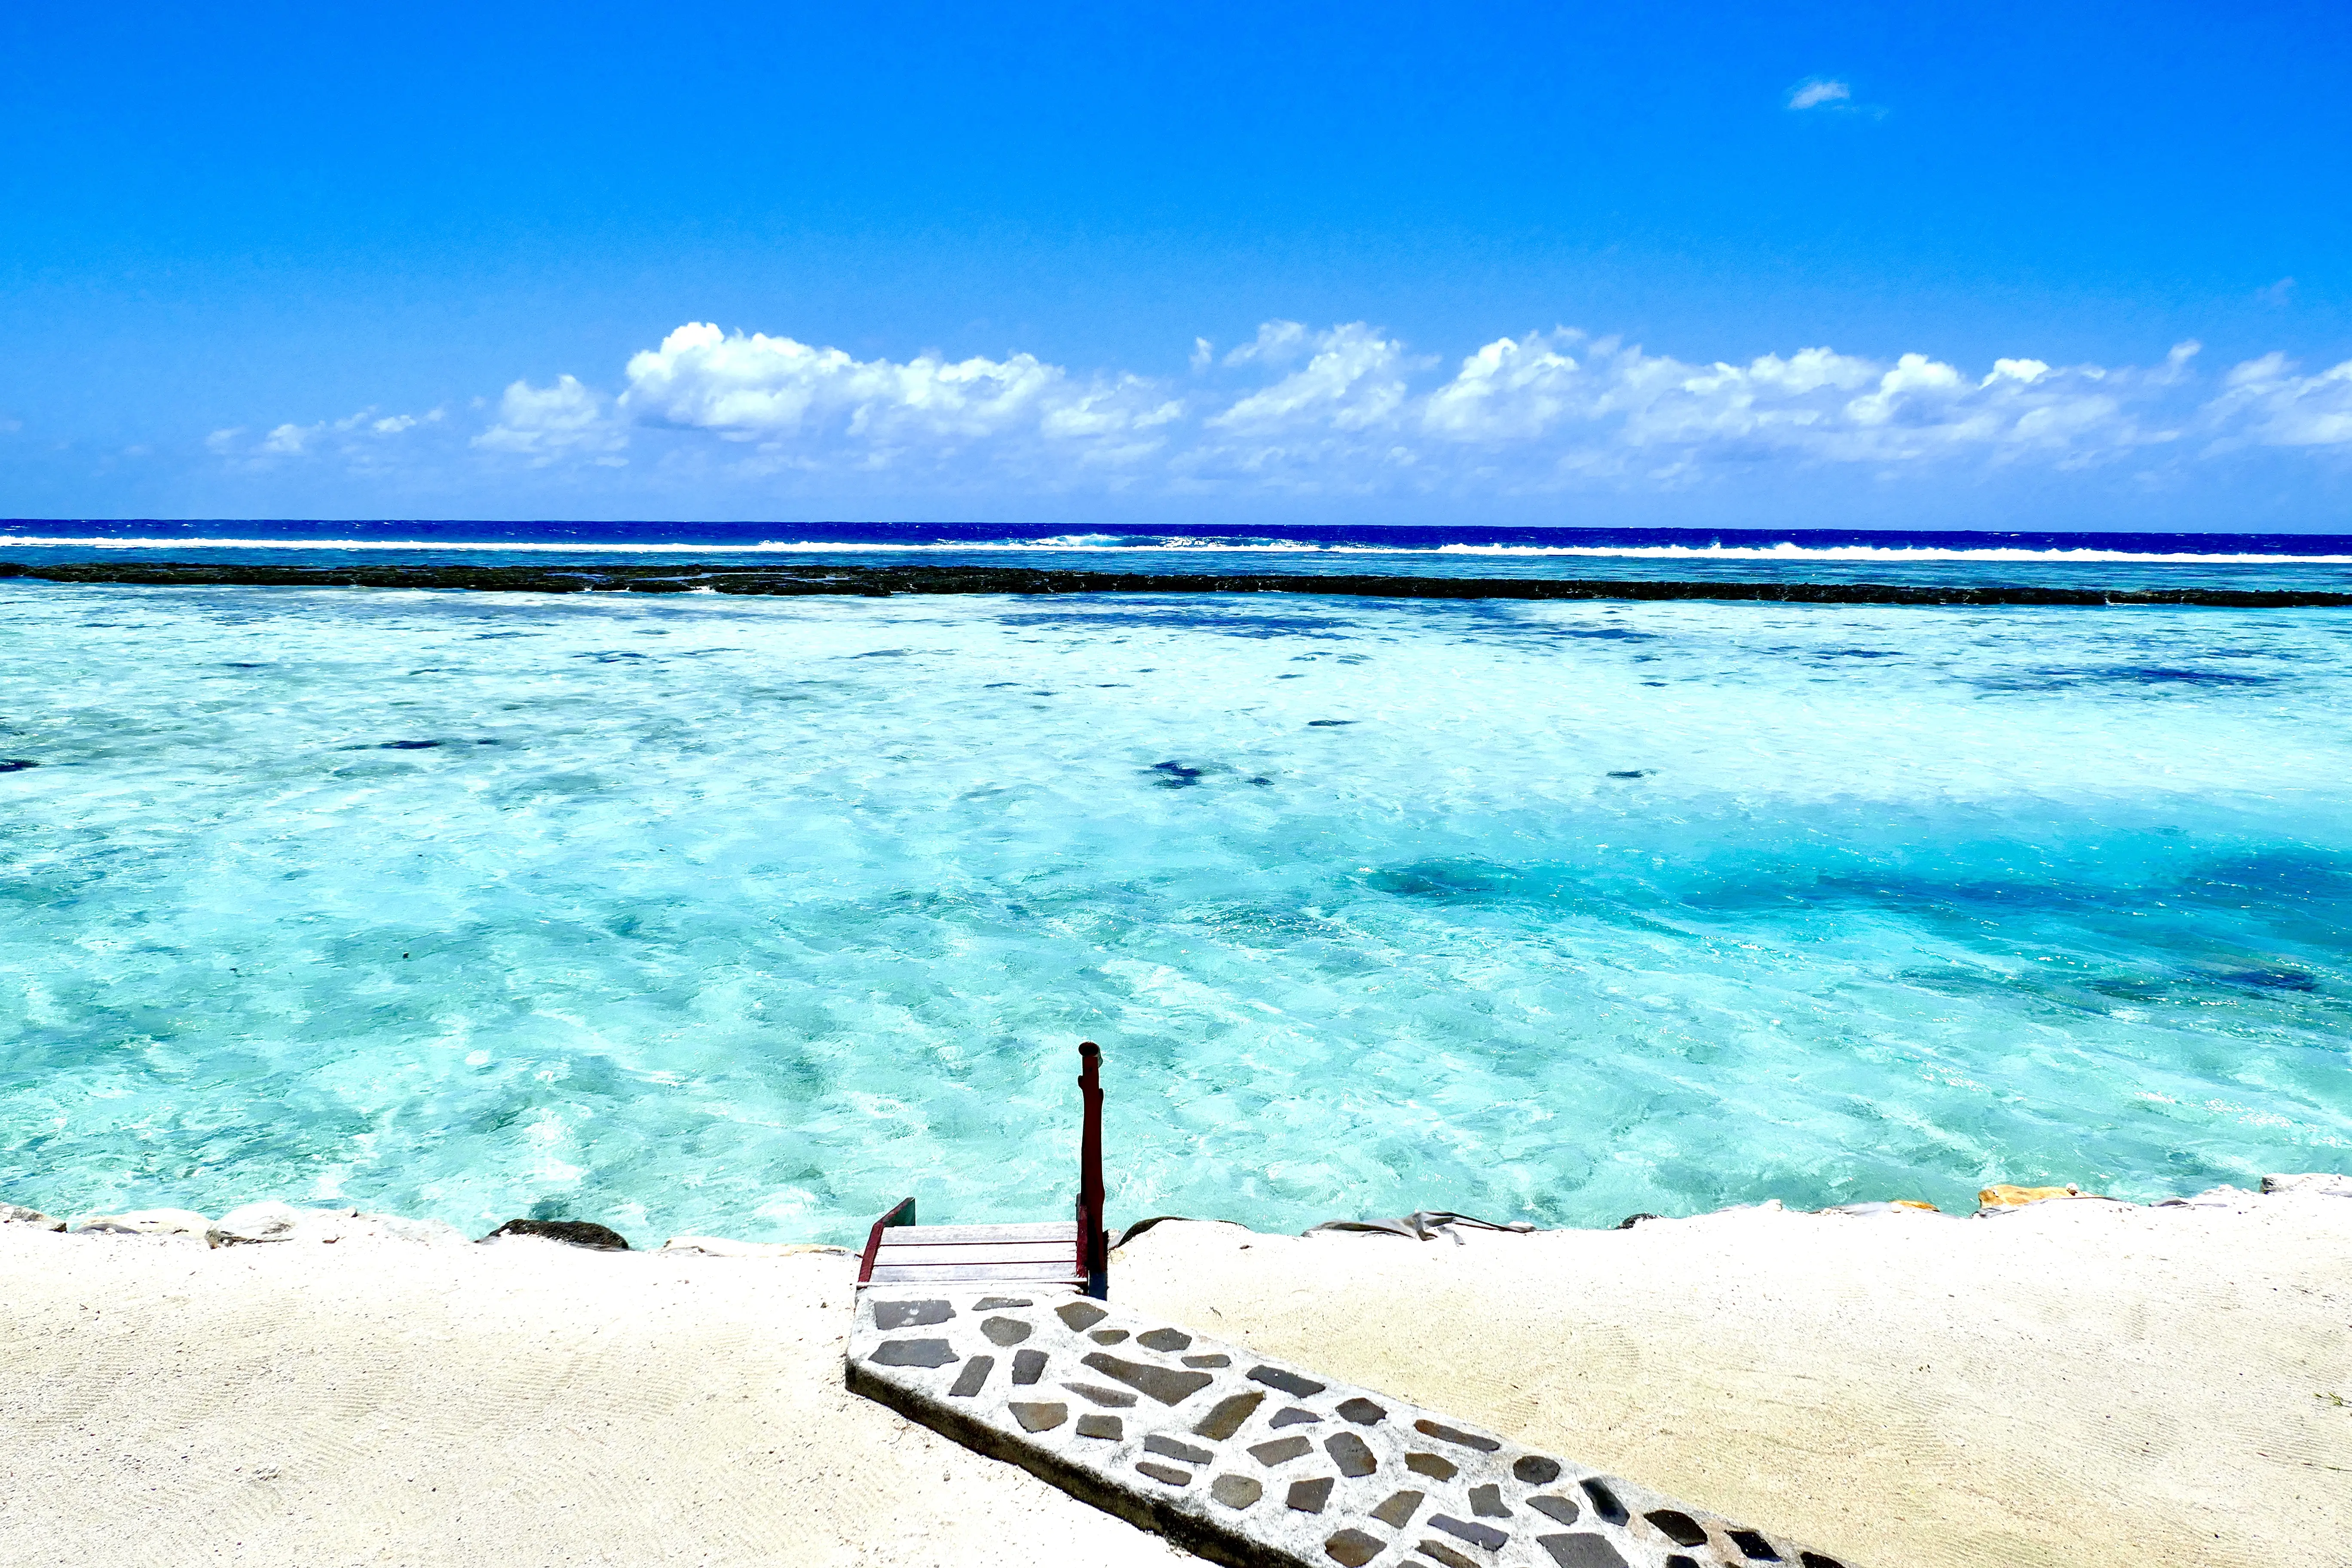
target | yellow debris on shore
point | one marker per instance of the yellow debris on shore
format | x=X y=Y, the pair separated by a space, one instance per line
x=2000 y=1196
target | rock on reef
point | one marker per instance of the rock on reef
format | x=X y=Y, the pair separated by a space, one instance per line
x=570 y=1232
x=175 y=1223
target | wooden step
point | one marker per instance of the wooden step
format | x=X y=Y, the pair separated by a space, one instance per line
x=913 y=1252
x=1042 y=1254
x=1062 y=1273
x=1058 y=1231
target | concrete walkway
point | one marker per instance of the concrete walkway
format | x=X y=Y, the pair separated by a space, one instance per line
x=1254 y=1462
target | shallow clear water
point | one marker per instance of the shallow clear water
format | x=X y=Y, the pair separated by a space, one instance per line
x=752 y=916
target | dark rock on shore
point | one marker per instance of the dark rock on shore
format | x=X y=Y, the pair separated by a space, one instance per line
x=883 y=580
x=572 y=1232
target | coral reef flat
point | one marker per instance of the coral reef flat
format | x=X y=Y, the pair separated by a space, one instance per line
x=885 y=581
x=2080 y=1382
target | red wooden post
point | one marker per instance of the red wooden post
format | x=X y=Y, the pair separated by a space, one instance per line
x=1094 y=1240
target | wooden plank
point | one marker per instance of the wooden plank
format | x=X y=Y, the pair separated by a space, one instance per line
x=939 y=1235
x=912 y=1237
x=1045 y=1252
x=983 y=1273
x=1023 y=1245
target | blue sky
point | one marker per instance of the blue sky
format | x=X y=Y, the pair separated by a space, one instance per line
x=1991 y=265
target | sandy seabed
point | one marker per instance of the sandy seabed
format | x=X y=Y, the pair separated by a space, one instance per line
x=2076 y=1383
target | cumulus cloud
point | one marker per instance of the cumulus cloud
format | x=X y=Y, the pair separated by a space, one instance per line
x=816 y=405
x=1351 y=409
x=543 y=424
x=1607 y=405
x=1353 y=379
x=1512 y=390
x=1333 y=419
x=748 y=387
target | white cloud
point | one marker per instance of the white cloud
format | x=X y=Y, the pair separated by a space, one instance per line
x=1115 y=420
x=814 y=406
x=1823 y=96
x=547 y=422
x=1277 y=342
x=360 y=441
x=2264 y=402
x=748 y=387
x=1354 y=379
x=1511 y=390
x=1348 y=409
x=288 y=440
x=1334 y=420
x=1615 y=408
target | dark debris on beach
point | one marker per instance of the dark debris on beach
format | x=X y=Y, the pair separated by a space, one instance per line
x=879 y=582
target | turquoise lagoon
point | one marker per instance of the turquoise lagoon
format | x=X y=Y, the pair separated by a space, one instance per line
x=707 y=914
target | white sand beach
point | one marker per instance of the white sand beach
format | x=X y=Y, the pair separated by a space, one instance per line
x=2076 y=1383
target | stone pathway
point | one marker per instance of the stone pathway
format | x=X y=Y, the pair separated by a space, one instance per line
x=1254 y=1462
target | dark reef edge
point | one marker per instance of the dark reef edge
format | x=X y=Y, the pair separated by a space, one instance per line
x=881 y=582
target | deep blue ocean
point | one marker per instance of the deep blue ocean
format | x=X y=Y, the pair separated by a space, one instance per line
x=697 y=913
